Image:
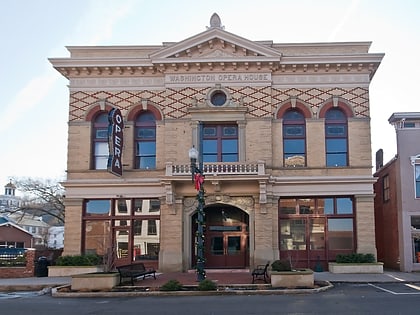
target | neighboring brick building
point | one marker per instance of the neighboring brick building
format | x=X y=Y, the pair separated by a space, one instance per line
x=285 y=143
x=397 y=197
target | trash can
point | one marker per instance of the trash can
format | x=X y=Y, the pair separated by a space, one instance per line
x=41 y=267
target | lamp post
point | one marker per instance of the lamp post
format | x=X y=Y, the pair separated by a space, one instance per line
x=198 y=180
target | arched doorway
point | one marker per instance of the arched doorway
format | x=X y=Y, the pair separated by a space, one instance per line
x=226 y=241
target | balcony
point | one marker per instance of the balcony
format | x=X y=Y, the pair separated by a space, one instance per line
x=216 y=169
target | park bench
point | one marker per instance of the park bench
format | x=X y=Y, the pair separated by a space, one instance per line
x=260 y=273
x=134 y=271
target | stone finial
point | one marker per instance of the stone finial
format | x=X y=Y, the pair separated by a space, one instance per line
x=215 y=21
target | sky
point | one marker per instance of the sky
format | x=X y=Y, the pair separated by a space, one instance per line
x=34 y=97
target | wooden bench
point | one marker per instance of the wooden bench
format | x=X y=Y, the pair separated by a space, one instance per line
x=260 y=273
x=135 y=270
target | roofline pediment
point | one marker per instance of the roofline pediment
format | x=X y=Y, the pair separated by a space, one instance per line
x=215 y=34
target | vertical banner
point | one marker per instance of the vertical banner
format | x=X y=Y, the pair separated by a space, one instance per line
x=116 y=141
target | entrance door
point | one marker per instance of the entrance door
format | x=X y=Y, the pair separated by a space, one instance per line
x=225 y=250
x=225 y=237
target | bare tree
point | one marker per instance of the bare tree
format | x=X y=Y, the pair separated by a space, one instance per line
x=41 y=197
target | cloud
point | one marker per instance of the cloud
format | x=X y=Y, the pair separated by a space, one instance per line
x=344 y=19
x=27 y=98
x=96 y=26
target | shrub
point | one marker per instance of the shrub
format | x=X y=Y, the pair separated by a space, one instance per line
x=171 y=285
x=207 y=285
x=79 y=260
x=355 y=258
x=281 y=265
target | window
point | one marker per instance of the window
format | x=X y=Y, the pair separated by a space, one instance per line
x=122 y=223
x=100 y=142
x=220 y=143
x=218 y=98
x=145 y=141
x=151 y=227
x=336 y=137
x=294 y=139
x=340 y=234
x=417 y=178
x=385 y=188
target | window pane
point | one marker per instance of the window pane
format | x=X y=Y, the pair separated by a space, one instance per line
x=229 y=158
x=337 y=159
x=336 y=145
x=417 y=181
x=288 y=206
x=336 y=130
x=146 y=133
x=209 y=146
x=147 y=162
x=294 y=146
x=317 y=237
x=335 y=114
x=306 y=206
x=101 y=163
x=210 y=158
x=209 y=131
x=229 y=146
x=344 y=206
x=98 y=206
x=292 y=235
x=230 y=131
x=294 y=131
x=101 y=148
x=151 y=227
x=102 y=134
x=340 y=234
x=293 y=115
x=146 y=148
x=97 y=239
x=217 y=245
x=328 y=205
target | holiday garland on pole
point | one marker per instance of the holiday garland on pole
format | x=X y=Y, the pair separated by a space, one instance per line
x=199 y=181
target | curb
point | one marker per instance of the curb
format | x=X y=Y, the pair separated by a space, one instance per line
x=227 y=291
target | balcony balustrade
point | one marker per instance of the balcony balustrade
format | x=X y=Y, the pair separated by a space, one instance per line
x=218 y=169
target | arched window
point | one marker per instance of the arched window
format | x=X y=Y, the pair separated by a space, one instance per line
x=100 y=141
x=294 y=139
x=145 y=140
x=336 y=138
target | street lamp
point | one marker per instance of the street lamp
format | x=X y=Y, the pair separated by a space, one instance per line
x=198 y=180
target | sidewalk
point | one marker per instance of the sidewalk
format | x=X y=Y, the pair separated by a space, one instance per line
x=221 y=277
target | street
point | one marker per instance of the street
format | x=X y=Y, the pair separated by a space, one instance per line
x=383 y=298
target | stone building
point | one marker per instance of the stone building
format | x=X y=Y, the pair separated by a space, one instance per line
x=283 y=131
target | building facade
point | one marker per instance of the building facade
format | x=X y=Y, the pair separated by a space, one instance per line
x=283 y=131
x=397 y=197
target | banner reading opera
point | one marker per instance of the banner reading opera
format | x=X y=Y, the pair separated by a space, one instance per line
x=116 y=141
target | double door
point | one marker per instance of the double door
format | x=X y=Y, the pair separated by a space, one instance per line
x=225 y=249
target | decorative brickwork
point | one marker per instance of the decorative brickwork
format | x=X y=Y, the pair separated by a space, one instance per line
x=261 y=101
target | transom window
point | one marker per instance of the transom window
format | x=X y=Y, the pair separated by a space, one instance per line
x=145 y=141
x=294 y=139
x=220 y=143
x=336 y=138
x=100 y=141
